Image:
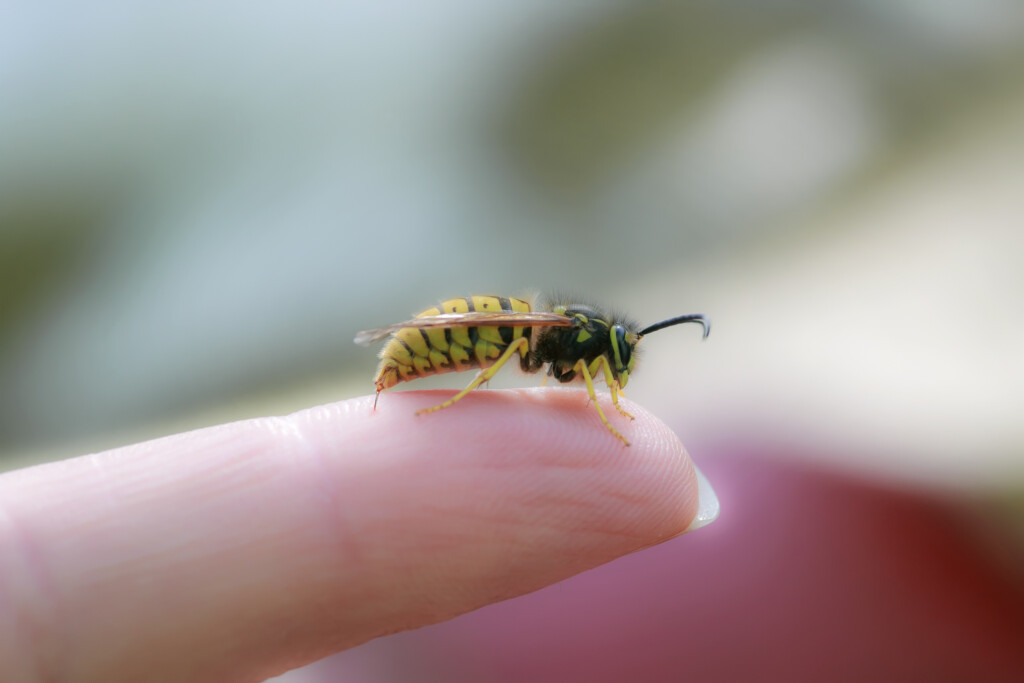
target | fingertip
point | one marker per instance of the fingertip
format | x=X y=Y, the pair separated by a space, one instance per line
x=540 y=433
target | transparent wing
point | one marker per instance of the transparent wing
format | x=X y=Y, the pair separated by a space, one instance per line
x=475 y=319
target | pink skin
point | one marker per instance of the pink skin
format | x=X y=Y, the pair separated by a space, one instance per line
x=808 y=576
x=240 y=551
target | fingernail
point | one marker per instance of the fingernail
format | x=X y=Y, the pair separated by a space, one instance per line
x=707 y=502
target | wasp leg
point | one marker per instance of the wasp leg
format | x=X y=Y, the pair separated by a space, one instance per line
x=609 y=379
x=485 y=375
x=581 y=368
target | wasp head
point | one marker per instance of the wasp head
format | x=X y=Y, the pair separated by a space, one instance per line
x=620 y=356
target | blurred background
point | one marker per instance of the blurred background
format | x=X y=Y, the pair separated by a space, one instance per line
x=200 y=205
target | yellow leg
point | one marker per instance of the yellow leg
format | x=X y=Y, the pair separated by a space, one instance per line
x=609 y=379
x=485 y=375
x=581 y=368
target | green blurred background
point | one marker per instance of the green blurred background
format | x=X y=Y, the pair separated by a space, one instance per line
x=200 y=205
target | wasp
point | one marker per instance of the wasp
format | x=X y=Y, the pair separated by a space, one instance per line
x=486 y=332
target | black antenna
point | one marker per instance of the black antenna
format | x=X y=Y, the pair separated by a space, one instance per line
x=679 y=320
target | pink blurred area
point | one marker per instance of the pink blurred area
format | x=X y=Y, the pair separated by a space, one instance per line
x=805 y=577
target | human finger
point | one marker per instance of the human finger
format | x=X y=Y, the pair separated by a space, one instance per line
x=240 y=551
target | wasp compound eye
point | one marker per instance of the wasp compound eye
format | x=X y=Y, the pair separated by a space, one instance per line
x=623 y=350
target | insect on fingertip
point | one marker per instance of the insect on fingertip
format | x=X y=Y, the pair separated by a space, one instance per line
x=574 y=341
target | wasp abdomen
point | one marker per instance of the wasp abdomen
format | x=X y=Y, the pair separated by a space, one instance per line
x=412 y=353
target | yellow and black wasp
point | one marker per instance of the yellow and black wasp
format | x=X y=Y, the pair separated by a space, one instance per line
x=573 y=340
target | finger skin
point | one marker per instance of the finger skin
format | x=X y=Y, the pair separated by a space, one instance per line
x=240 y=551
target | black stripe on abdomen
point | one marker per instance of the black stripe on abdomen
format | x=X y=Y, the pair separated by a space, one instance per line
x=505 y=332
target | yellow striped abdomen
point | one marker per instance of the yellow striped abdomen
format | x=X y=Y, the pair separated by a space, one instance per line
x=412 y=353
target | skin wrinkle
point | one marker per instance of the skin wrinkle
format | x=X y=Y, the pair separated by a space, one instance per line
x=330 y=510
x=289 y=449
x=327 y=508
x=284 y=452
x=358 y=550
x=336 y=515
x=29 y=605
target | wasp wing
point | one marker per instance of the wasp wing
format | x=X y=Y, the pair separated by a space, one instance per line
x=474 y=319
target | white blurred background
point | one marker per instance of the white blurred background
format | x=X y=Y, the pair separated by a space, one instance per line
x=201 y=204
